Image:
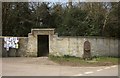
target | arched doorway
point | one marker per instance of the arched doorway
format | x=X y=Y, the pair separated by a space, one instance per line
x=87 y=50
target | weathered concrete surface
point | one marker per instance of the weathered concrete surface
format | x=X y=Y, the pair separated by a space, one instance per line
x=31 y=67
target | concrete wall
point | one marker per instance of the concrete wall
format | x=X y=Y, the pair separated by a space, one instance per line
x=73 y=46
x=21 y=51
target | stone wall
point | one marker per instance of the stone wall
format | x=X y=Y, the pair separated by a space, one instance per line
x=32 y=48
x=20 y=52
x=66 y=45
x=73 y=46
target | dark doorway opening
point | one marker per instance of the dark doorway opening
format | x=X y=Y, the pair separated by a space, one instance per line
x=43 y=45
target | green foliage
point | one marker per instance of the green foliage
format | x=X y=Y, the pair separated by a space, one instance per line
x=15 y=19
x=82 y=19
x=73 y=22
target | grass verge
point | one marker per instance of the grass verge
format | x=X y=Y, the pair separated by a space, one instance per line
x=76 y=61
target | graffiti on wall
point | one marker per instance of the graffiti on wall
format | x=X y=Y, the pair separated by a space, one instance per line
x=11 y=42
